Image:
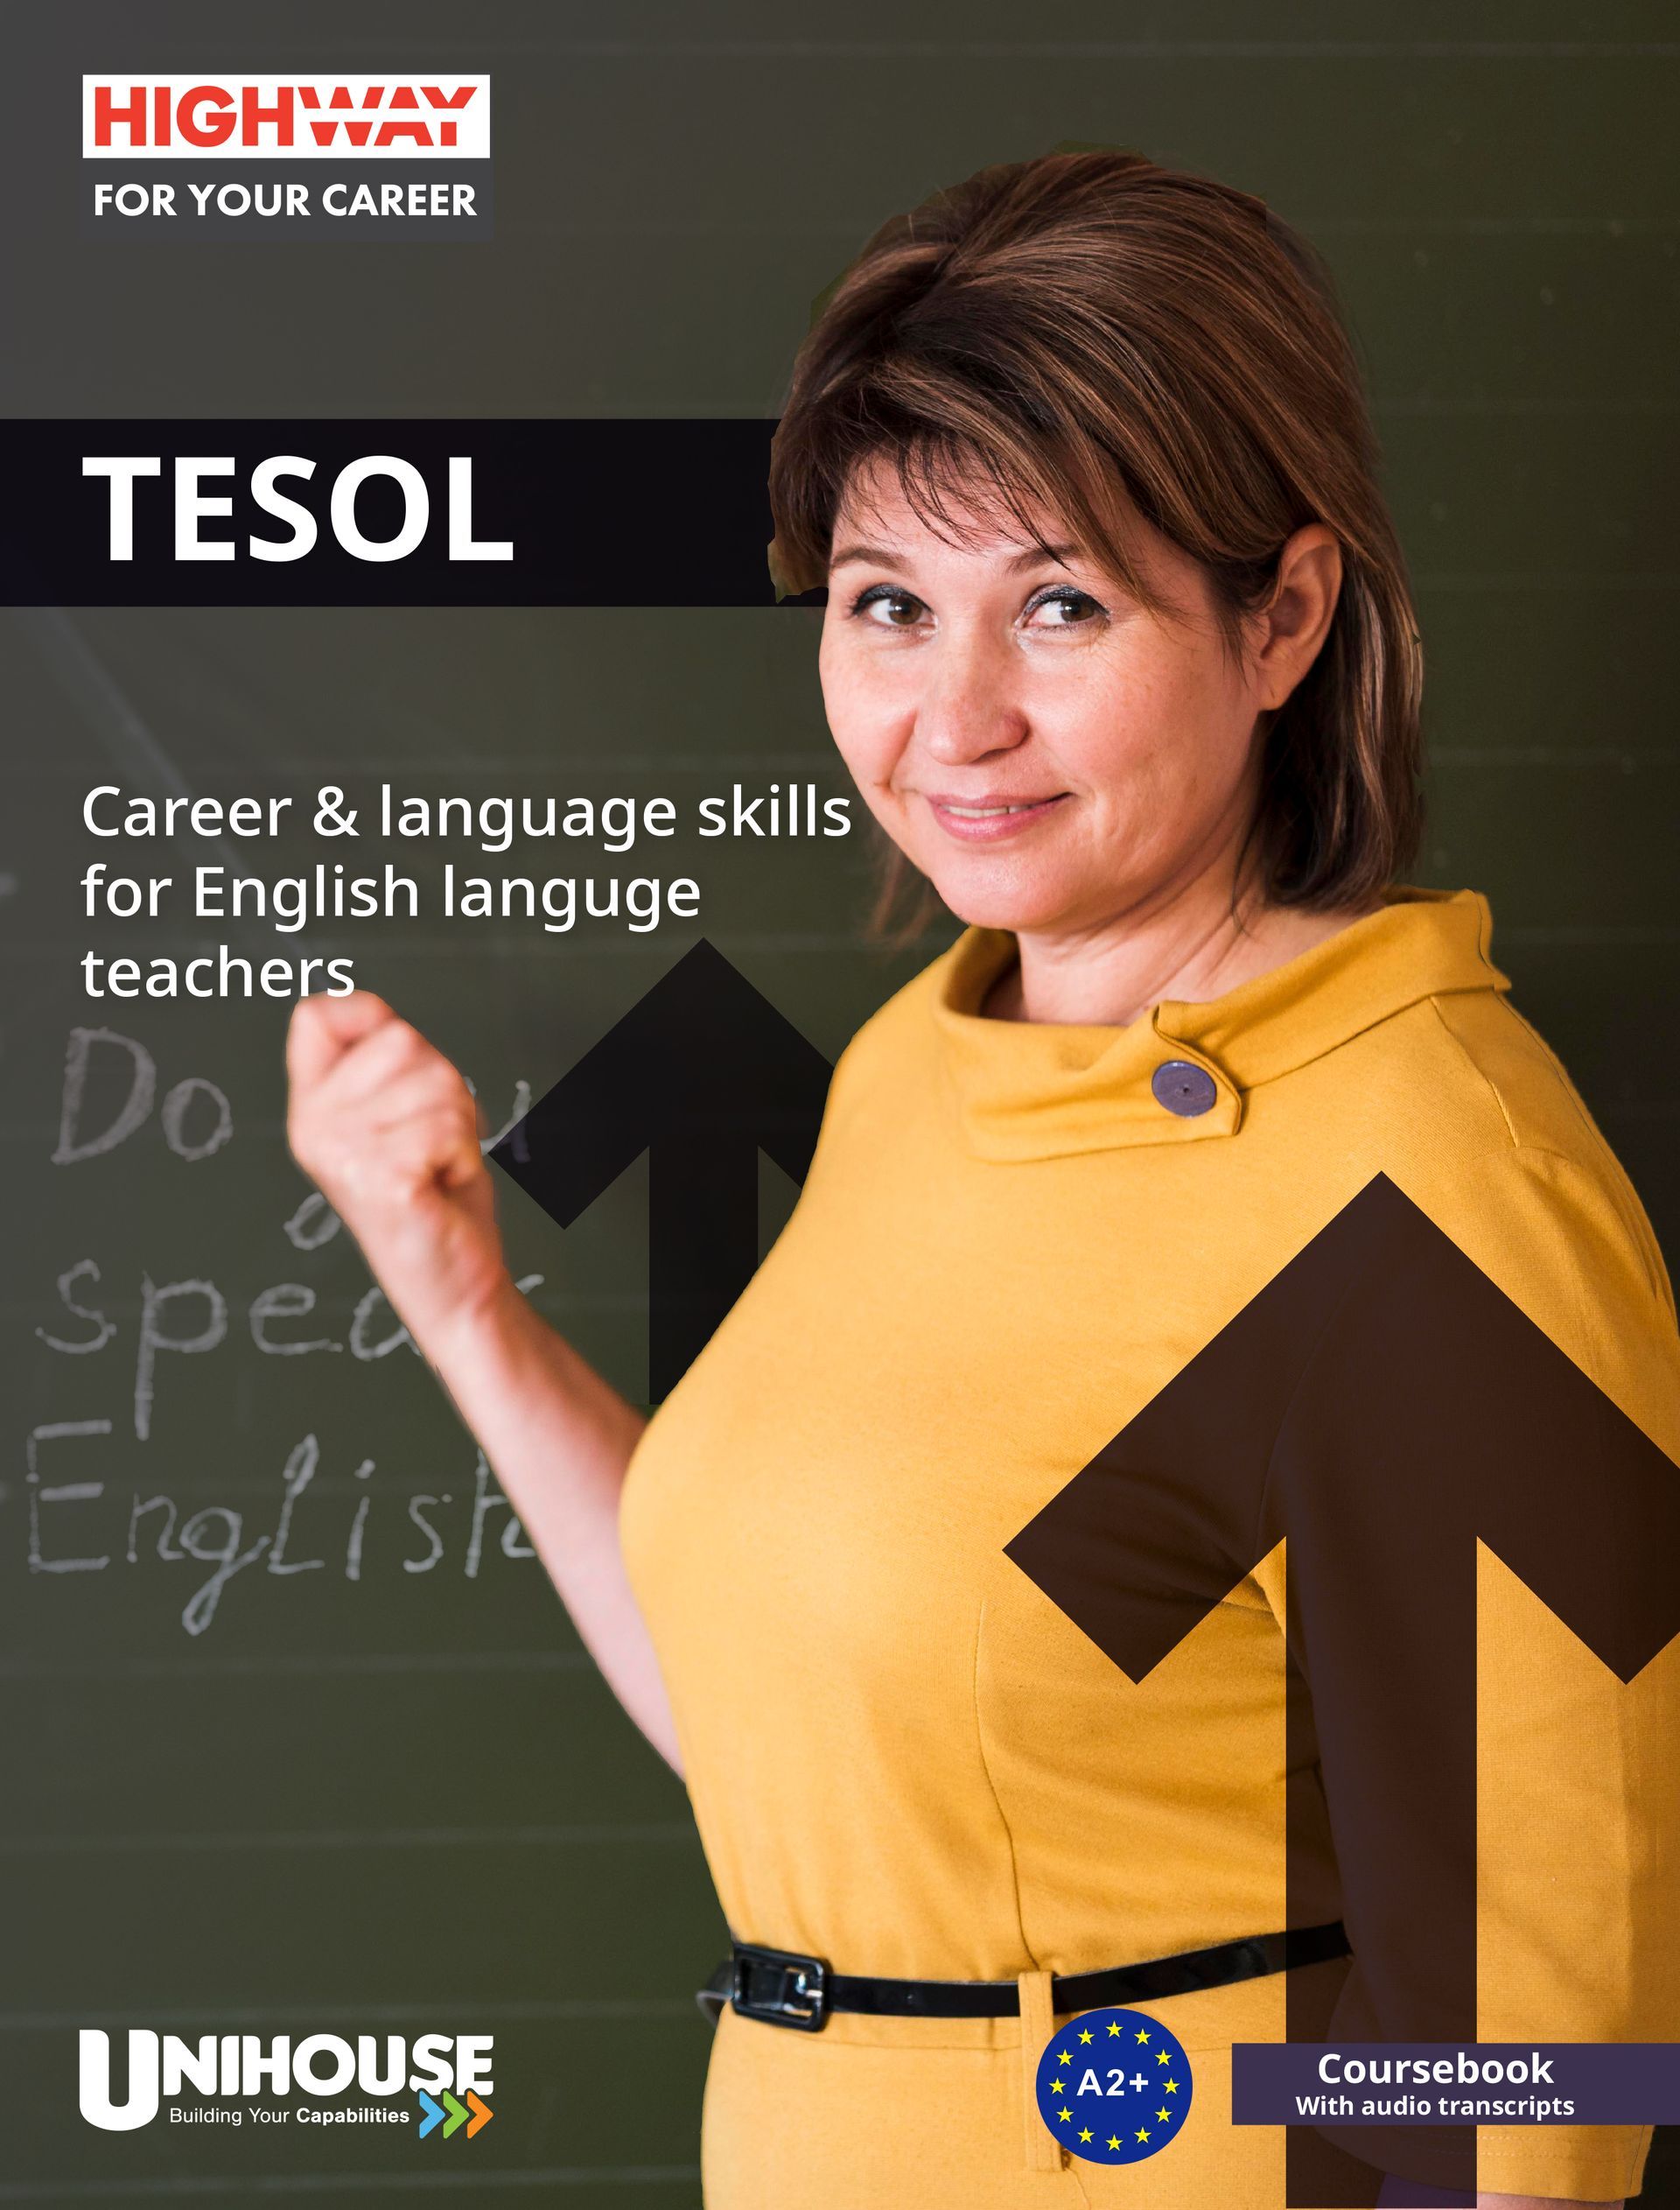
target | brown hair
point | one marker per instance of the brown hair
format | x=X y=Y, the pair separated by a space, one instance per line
x=1088 y=333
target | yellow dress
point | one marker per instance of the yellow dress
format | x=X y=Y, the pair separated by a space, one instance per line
x=905 y=1759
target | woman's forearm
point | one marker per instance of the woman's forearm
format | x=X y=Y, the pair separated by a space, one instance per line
x=559 y=1439
x=389 y=1130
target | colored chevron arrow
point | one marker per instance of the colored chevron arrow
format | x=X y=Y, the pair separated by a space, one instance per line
x=481 y=2114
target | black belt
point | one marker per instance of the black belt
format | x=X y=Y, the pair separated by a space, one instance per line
x=785 y=1989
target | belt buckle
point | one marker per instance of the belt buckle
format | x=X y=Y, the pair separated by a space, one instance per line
x=779 y=1988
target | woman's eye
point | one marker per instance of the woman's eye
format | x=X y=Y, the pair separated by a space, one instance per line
x=1066 y=609
x=889 y=607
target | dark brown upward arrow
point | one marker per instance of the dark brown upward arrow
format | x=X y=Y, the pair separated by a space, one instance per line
x=703 y=1073
x=1382 y=1403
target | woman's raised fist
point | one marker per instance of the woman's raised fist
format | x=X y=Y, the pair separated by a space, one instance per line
x=388 y=1130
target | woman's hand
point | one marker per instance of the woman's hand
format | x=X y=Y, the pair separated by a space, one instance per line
x=388 y=1130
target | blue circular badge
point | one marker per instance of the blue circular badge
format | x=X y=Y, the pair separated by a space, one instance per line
x=1114 y=2087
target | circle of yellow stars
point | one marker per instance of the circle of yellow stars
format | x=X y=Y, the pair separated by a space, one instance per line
x=1165 y=2084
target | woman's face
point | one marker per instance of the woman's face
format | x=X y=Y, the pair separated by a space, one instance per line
x=1052 y=756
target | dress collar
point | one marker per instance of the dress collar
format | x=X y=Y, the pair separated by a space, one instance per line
x=1037 y=1090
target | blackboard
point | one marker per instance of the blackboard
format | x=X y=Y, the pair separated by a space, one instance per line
x=315 y=1739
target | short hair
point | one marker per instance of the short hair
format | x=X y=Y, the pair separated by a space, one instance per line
x=1093 y=336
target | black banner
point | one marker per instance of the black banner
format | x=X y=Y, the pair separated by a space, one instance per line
x=384 y=513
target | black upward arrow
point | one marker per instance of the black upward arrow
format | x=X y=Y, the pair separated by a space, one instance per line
x=703 y=1073
x=1382 y=1403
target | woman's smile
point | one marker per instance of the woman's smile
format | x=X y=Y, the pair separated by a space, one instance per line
x=987 y=816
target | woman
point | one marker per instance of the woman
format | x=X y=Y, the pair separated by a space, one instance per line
x=1119 y=651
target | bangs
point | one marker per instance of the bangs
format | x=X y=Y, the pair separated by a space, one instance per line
x=966 y=481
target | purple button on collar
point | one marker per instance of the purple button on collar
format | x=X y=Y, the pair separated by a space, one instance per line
x=1184 y=1088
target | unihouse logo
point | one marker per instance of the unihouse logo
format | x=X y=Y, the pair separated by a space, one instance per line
x=387 y=135
x=235 y=2076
